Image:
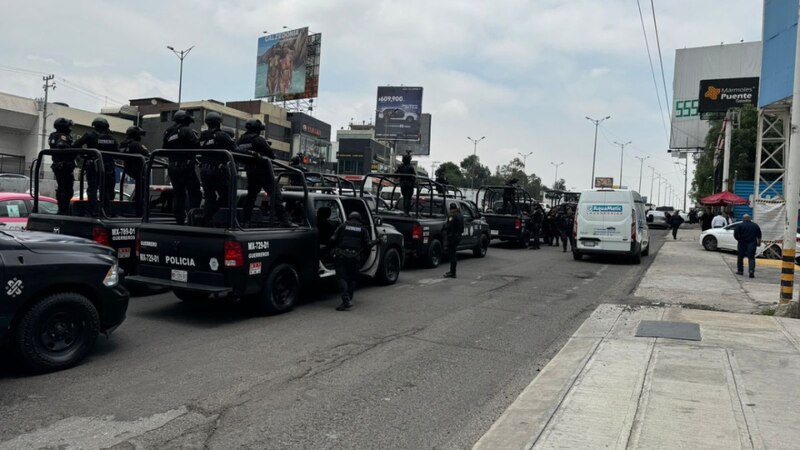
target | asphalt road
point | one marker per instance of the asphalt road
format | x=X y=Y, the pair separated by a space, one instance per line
x=426 y=363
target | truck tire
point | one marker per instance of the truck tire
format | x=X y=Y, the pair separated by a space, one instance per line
x=190 y=296
x=646 y=252
x=523 y=242
x=280 y=291
x=434 y=256
x=389 y=269
x=483 y=246
x=57 y=332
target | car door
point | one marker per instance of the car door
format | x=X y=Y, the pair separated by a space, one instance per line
x=372 y=259
x=469 y=238
x=725 y=240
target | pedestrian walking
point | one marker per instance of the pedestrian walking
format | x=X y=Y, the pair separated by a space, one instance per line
x=454 y=228
x=748 y=238
x=349 y=242
x=706 y=220
x=567 y=223
x=675 y=221
x=536 y=226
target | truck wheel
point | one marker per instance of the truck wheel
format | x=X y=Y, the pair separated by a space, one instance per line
x=646 y=252
x=389 y=270
x=434 y=256
x=526 y=237
x=57 y=332
x=190 y=296
x=482 y=248
x=280 y=291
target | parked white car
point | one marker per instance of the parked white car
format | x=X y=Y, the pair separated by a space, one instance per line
x=657 y=219
x=722 y=239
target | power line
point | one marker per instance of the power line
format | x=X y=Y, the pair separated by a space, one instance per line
x=652 y=70
x=660 y=60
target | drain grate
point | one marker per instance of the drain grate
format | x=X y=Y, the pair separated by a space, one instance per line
x=688 y=331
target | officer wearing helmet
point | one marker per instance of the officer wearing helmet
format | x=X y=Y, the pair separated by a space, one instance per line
x=260 y=173
x=214 y=171
x=349 y=242
x=454 y=229
x=181 y=169
x=297 y=163
x=132 y=145
x=100 y=138
x=406 y=182
x=63 y=165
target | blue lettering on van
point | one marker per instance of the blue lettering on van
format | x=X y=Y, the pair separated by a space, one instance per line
x=605 y=209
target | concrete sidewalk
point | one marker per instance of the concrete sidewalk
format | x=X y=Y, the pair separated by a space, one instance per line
x=607 y=388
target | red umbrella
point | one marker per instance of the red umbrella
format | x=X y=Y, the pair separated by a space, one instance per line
x=723 y=198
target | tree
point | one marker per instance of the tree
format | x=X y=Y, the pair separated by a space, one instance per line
x=560 y=185
x=474 y=170
x=453 y=173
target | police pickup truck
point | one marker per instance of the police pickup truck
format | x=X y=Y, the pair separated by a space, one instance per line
x=424 y=228
x=265 y=262
x=506 y=210
x=115 y=228
x=58 y=293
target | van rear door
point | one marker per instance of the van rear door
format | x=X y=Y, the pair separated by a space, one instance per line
x=604 y=220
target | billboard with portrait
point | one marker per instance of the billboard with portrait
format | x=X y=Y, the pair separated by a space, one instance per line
x=281 y=64
x=397 y=113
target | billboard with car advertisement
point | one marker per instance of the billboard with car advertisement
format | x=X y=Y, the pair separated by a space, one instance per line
x=281 y=64
x=397 y=113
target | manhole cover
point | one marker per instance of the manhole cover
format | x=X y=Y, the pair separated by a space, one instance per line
x=688 y=331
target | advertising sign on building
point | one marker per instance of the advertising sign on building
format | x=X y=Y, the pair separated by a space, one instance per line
x=603 y=182
x=421 y=147
x=398 y=113
x=724 y=94
x=281 y=63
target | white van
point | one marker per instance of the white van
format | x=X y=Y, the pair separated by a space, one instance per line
x=611 y=221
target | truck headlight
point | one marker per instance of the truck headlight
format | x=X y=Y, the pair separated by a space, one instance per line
x=112 y=277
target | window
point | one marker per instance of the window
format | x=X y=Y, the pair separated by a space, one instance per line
x=336 y=213
x=47 y=207
x=13 y=208
x=466 y=212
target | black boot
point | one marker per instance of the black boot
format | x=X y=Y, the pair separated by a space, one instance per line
x=346 y=305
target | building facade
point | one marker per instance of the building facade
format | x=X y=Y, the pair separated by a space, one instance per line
x=359 y=153
x=311 y=140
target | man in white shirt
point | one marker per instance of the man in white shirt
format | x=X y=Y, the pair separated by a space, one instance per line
x=719 y=221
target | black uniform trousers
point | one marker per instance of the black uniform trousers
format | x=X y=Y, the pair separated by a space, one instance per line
x=93 y=185
x=346 y=273
x=567 y=235
x=134 y=169
x=184 y=184
x=535 y=230
x=452 y=248
x=216 y=187
x=746 y=250
x=407 y=190
x=65 y=179
x=258 y=178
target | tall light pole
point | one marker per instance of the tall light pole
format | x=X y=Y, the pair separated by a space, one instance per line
x=621 y=159
x=658 y=202
x=641 y=167
x=652 y=179
x=525 y=159
x=555 y=180
x=474 y=162
x=181 y=54
x=596 y=123
x=433 y=165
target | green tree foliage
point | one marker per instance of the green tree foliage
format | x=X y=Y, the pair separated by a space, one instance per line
x=453 y=173
x=743 y=153
x=472 y=168
x=560 y=185
x=461 y=175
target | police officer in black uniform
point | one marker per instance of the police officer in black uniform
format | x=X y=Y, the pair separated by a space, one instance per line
x=349 y=242
x=214 y=172
x=441 y=178
x=407 y=183
x=259 y=174
x=454 y=229
x=536 y=219
x=509 y=192
x=99 y=138
x=567 y=223
x=63 y=165
x=181 y=169
x=132 y=145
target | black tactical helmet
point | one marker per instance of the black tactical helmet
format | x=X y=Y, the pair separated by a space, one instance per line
x=213 y=119
x=407 y=158
x=100 y=123
x=182 y=117
x=134 y=132
x=295 y=160
x=62 y=124
x=254 y=125
x=355 y=215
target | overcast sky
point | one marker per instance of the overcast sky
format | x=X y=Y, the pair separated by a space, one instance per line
x=522 y=73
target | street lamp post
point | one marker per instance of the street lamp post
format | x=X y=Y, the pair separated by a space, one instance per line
x=474 y=162
x=658 y=202
x=641 y=167
x=596 y=123
x=555 y=180
x=525 y=159
x=652 y=179
x=621 y=158
x=181 y=54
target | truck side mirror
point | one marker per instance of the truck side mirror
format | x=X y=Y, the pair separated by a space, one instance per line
x=378 y=221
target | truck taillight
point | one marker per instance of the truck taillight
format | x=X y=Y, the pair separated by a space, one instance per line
x=633 y=226
x=517 y=224
x=234 y=256
x=416 y=231
x=101 y=236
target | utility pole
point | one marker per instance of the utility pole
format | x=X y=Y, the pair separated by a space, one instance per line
x=685 y=181
x=641 y=168
x=652 y=179
x=474 y=159
x=726 y=158
x=791 y=190
x=658 y=203
x=47 y=85
x=596 y=123
x=525 y=160
x=621 y=159
x=181 y=54
x=555 y=180
x=433 y=165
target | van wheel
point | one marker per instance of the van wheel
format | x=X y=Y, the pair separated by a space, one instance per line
x=280 y=291
x=434 y=256
x=483 y=246
x=646 y=252
x=57 y=332
x=637 y=258
x=190 y=296
x=389 y=270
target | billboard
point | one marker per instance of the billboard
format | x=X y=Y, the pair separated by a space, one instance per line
x=281 y=63
x=724 y=94
x=397 y=113
x=693 y=65
x=603 y=182
x=777 y=66
x=423 y=146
